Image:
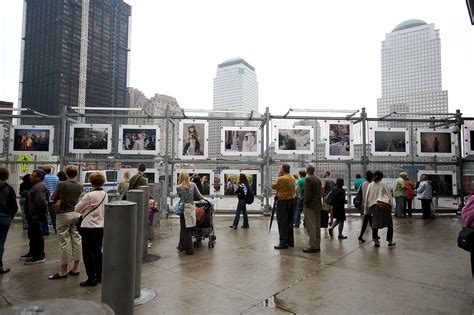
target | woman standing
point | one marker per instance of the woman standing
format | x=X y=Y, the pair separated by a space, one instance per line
x=187 y=192
x=369 y=176
x=123 y=185
x=338 y=201
x=8 y=208
x=409 y=188
x=425 y=194
x=241 y=205
x=380 y=203
x=91 y=207
x=25 y=187
x=67 y=194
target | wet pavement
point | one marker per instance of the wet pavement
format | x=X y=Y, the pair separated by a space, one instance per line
x=425 y=274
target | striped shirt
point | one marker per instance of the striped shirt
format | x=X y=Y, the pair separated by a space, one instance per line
x=51 y=182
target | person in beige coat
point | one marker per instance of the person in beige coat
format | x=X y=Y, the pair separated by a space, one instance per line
x=380 y=203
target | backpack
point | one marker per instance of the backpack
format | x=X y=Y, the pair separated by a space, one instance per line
x=249 y=197
x=358 y=199
x=328 y=198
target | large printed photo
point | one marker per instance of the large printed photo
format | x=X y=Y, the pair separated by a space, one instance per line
x=230 y=181
x=139 y=139
x=297 y=140
x=90 y=138
x=438 y=142
x=339 y=143
x=193 y=136
x=240 y=141
x=389 y=142
x=32 y=140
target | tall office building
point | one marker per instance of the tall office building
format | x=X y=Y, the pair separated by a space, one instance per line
x=411 y=72
x=235 y=89
x=74 y=53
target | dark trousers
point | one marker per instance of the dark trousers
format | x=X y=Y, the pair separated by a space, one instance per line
x=375 y=234
x=285 y=217
x=241 y=207
x=4 y=226
x=35 y=235
x=92 y=252
x=367 y=220
x=44 y=225
x=426 y=207
x=408 y=207
x=185 y=237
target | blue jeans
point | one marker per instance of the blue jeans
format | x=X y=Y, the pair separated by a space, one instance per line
x=4 y=226
x=399 y=206
x=241 y=207
x=298 y=216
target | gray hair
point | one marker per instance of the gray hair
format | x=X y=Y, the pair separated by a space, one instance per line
x=403 y=174
x=310 y=168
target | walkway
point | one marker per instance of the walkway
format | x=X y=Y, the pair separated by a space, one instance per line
x=425 y=274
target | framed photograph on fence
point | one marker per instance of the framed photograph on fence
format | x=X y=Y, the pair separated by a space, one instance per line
x=139 y=139
x=443 y=182
x=240 y=141
x=389 y=141
x=90 y=138
x=2 y=137
x=205 y=177
x=339 y=144
x=32 y=140
x=230 y=181
x=469 y=140
x=297 y=140
x=193 y=139
x=435 y=142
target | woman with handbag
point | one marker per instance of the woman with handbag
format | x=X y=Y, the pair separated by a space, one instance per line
x=187 y=192
x=241 y=193
x=380 y=203
x=91 y=227
x=66 y=197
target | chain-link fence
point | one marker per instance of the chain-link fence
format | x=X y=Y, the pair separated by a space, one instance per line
x=218 y=146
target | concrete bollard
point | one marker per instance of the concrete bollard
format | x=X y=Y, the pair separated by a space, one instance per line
x=137 y=196
x=146 y=191
x=118 y=272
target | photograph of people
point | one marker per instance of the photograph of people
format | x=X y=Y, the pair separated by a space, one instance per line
x=90 y=138
x=192 y=143
x=31 y=139
x=199 y=177
x=435 y=142
x=339 y=140
x=232 y=182
x=240 y=141
x=138 y=139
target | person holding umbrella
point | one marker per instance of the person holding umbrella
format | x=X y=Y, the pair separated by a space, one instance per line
x=285 y=206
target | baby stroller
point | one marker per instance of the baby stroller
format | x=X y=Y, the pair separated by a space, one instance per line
x=206 y=228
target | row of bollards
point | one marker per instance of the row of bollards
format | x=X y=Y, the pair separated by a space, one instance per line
x=125 y=249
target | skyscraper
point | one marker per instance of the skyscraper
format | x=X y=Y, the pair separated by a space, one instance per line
x=75 y=53
x=235 y=89
x=411 y=72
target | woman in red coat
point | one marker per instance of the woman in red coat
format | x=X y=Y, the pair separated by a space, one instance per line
x=409 y=188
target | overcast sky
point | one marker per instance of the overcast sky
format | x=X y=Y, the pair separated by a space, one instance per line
x=307 y=54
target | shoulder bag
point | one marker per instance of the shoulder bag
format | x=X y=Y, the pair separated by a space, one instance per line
x=81 y=218
x=466 y=239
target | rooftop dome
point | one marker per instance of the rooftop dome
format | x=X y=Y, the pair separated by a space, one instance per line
x=408 y=24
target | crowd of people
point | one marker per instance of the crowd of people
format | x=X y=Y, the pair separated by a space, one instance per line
x=77 y=218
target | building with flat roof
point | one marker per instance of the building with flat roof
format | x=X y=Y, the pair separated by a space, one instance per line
x=74 y=56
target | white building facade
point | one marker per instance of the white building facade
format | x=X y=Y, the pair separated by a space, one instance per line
x=411 y=72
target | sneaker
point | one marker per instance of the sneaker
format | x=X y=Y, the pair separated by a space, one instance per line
x=26 y=256
x=342 y=237
x=35 y=260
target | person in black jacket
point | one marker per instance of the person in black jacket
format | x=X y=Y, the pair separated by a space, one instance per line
x=25 y=187
x=8 y=208
x=338 y=201
x=241 y=193
x=312 y=208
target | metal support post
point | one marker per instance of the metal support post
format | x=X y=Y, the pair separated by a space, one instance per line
x=62 y=137
x=363 y=116
x=137 y=196
x=118 y=273
x=144 y=223
x=459 y=123
x=268 y=174
x=167 y=158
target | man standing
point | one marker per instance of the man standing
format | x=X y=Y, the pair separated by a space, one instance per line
x=51 y=182
x=399 y=192
x=38 y=199
x=138 y=179
x=285 y=187
x=358 y=181
x=8 y=208
x=312 y=209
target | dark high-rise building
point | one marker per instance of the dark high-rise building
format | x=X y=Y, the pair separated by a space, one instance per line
x=62 y=68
